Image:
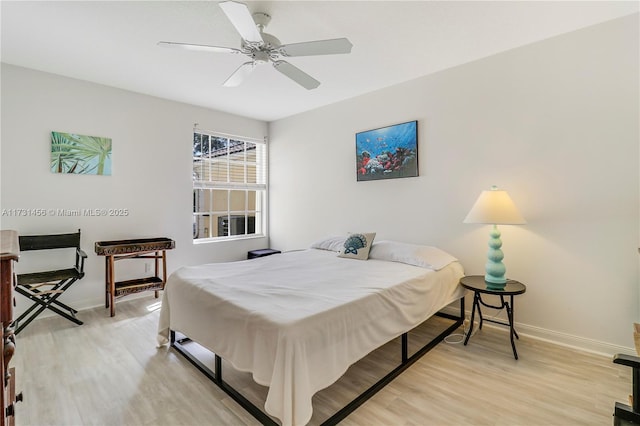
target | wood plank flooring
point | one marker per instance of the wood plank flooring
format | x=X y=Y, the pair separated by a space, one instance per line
x=110 y=372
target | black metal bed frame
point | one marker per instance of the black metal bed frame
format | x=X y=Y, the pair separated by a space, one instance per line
x=216 y=375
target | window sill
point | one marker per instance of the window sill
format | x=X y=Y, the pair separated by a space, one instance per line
x=228 y=239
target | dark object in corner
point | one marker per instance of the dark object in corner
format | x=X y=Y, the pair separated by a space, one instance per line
x=623 y=413
x=58 y=281
x=261 y=253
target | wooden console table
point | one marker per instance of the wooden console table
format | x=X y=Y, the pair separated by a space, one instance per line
x=9 y=253
x=145 y=248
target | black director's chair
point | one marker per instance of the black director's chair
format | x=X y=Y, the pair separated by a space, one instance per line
x=58 y=281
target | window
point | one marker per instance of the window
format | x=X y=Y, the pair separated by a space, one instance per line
x=229 y=186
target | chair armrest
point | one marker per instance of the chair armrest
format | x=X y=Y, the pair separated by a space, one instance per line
x=628 y=360
x=80 y=257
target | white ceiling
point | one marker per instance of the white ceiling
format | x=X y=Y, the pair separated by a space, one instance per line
x=114 y=43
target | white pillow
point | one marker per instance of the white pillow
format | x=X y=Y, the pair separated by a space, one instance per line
x=330 y=243
x=357 y=245
x=411 y=254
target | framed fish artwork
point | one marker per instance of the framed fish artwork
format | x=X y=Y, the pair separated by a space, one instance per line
x=387 y=152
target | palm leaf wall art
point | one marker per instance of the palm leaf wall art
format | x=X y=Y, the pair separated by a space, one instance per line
x=80 y=154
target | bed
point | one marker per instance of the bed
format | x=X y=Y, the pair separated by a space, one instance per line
x=296 y=321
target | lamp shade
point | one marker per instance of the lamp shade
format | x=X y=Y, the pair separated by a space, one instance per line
x=495 y=207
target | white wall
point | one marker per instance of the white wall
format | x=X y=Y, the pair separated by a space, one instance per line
x=555 y=123
x=151 y=171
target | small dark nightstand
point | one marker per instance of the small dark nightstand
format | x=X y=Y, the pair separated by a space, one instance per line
x=477 y=284
x=261 y=253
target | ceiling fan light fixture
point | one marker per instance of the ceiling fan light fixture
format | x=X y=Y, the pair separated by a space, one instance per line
x=262 y=47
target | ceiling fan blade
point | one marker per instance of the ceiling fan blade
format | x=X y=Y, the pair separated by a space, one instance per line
x=320 y=47
x=240 y=74
x=199 y=47
x=240 y=17
x=296 y=74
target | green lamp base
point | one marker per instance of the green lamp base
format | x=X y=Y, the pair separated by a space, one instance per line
x=494 y=268
x=492 y=285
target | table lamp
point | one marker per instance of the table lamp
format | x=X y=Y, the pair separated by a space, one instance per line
x=495 y=207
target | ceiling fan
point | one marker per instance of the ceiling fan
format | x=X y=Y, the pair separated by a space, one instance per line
x=262 y=48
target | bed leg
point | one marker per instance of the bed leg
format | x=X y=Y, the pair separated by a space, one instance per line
x=218 y=369
x=172 y=336
x=405 y=350
x=216 y=377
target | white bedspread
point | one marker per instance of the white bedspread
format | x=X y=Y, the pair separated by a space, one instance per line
x=298 y=320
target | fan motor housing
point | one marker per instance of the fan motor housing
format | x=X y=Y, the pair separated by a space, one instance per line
x=270 y=41
x=261 y=53
x=260 y=56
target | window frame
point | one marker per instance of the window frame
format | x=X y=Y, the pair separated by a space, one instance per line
x=230 y=185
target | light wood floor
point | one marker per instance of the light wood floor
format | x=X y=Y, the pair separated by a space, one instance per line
x=109 y=372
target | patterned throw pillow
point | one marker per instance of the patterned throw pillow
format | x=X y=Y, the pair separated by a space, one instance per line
x=357 y=246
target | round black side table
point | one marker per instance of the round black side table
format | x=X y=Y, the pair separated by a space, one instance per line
x=478 y=285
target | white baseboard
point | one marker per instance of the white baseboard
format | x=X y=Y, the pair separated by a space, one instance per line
x=571 y=341
x=556 y=337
